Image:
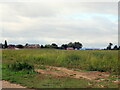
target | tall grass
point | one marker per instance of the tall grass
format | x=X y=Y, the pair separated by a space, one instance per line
x=19 y=66
x=97 y=60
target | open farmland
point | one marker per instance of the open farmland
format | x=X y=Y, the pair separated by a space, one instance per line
x=85 y=60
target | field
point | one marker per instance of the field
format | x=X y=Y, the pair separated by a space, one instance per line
x=86 y=60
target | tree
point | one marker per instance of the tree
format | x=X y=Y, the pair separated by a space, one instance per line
x=26 y=44
x=109 y=46
x=47 y=46
x=6 y=44
x=64 y=46
x=119 y=48
x=42 y=46
x=19 y=46
x=54 y=45
x=115 y=47
x=70 y=44
x=77 y=45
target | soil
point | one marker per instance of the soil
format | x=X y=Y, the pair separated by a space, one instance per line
x=6 y=84
x=64 y=72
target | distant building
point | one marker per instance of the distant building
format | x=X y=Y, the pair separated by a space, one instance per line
x=70 y=48
x=92 y=49
x=11 y=46
x=32 y=46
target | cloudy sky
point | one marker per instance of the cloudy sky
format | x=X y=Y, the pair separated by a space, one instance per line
x=94 y=24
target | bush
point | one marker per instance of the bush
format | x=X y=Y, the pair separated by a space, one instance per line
x=93 y=68
x=18 y=66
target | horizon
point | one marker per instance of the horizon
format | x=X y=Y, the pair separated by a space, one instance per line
x=84 y=47
x=94 y=24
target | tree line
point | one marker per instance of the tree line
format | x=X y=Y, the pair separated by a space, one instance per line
x=115 y=47
x=73 y=45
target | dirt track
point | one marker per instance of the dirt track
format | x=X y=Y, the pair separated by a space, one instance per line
x=62 y=72
x=6 y=84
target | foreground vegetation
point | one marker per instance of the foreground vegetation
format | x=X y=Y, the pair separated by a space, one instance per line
x=96 y=60
x=18 y=66
x=32 y=79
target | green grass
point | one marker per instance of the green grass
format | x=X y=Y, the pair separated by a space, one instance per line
x=95 y=60
x=17 y=66
x=33 y=79
x=37 y=80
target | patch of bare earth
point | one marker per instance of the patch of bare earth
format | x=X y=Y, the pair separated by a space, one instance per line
x=64 y=72
x=6 y=84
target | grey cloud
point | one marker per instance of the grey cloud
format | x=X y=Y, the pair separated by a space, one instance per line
x=50 y=22
x=31 y=9
x=46 y=9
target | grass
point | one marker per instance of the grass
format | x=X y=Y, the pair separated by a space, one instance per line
x=96 y=60
x=113 y=77
x=17 y=66
x=33 y=79
x=37 y=80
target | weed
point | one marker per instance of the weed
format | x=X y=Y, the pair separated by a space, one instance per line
x=18 y=66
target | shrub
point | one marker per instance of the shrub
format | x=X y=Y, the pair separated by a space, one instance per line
x=18 y=66
x=93 y=68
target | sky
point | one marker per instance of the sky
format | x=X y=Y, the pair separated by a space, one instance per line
x=94 y=24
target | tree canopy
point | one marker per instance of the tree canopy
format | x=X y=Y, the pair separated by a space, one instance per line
x=6 y=44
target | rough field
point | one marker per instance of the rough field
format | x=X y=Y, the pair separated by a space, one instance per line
x=50 y=68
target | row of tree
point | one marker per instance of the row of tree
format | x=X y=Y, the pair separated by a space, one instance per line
x=75 y=45
x=109 y=47
x=6 y=45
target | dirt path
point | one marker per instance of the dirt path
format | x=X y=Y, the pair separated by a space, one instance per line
x=6 y=84
x=62 y=72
